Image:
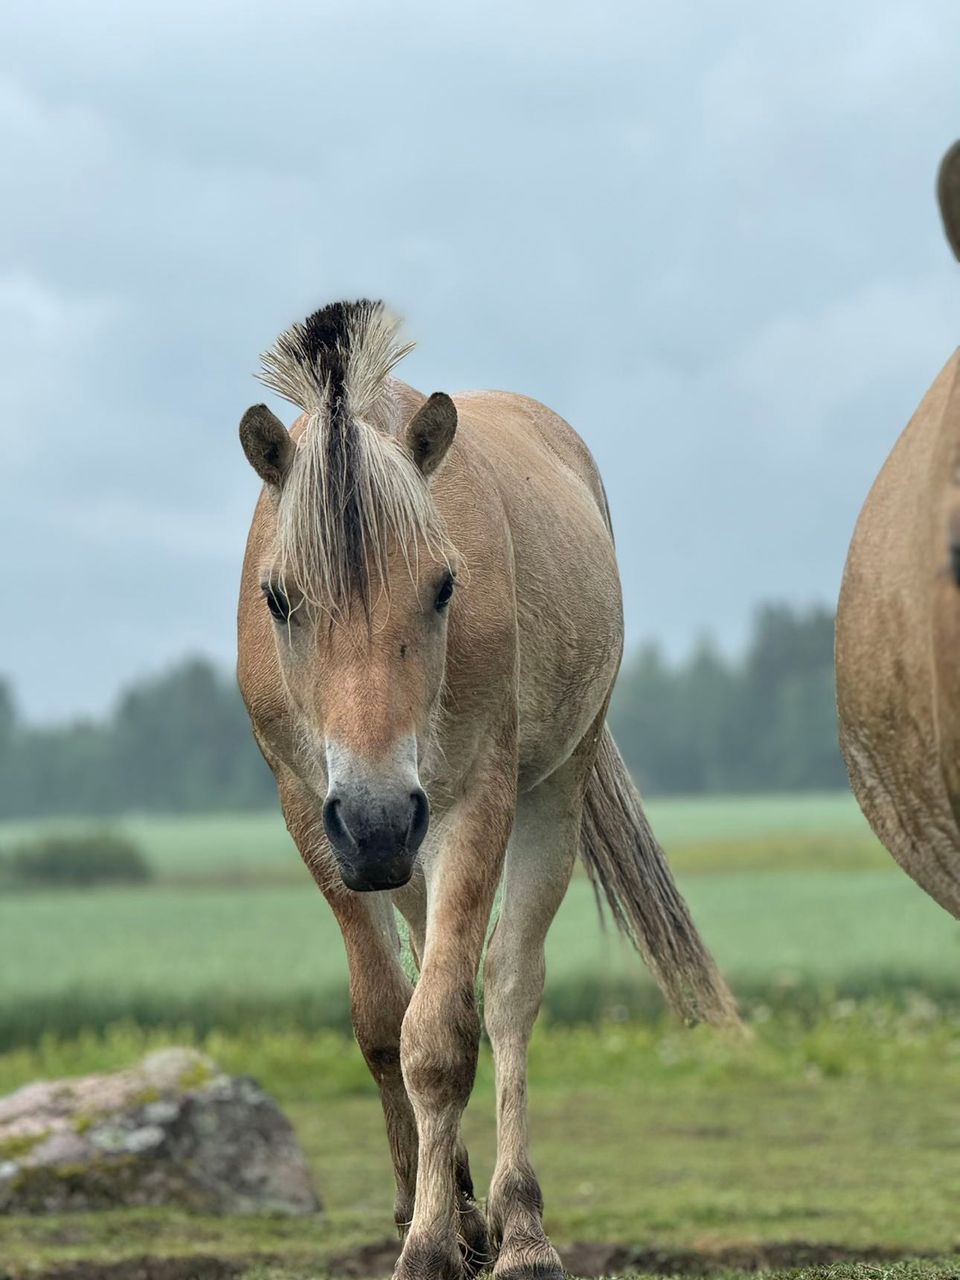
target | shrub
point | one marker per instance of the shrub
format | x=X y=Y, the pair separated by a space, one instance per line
x=87 y=858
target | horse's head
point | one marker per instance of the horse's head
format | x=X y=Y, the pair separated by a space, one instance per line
x=948 y=196
x=357 y=579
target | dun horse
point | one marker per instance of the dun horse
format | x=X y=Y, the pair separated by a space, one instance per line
x=898 y=631
x=429 y=629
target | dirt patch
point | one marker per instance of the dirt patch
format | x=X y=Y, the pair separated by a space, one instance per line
x=370 y=1260
x=586 y=1259
x=589 y=1259
x=195 y=1268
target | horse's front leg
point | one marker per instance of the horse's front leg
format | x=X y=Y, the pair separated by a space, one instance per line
x=441 y=1031
x=411 y=901
x=379 y=988
x=379 y=997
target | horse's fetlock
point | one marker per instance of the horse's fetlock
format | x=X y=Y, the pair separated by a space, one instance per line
x=428 y=1258
x=526 y=1253
x=516 y=1191
x=403 y=1214
x=475 y=1250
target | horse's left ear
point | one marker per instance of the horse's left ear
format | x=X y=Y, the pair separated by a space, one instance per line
x=430 y=432
x=948 y=194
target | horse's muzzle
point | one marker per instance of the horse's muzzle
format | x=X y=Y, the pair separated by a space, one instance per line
x=375 y=840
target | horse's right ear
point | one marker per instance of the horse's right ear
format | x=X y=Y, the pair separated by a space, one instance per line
x=267 y=444
x=430 y=432
x=948 y=194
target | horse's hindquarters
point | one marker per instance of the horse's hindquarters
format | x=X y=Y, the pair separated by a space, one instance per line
x=945 y=601
x=898 y=621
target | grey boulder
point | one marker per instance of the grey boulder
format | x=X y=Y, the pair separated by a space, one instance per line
x=173 y=1130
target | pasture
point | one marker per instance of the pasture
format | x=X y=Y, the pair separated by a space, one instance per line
x=664 y=1149
x=794 y=895
x=829 y=1145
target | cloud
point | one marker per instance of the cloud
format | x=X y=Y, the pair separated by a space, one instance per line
x=45 y=336
x=705 y=234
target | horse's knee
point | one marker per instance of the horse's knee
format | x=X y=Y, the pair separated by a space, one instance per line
x=382 y=1059
x=439 y=1044
x=376 y=1025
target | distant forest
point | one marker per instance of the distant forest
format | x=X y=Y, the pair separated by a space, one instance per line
x=181 y=742
x=766 y=722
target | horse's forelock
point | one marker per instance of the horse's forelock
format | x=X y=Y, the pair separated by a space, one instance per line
x=352 y=493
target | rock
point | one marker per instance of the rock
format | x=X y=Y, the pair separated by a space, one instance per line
x=174 y=1130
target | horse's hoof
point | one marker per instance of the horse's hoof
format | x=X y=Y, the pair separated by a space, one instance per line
x=428 y=1260
x=529 y=1260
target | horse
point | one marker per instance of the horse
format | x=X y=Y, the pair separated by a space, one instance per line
x=898 y=631
x=429 y=629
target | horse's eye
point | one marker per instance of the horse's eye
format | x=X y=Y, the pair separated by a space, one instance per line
x=277 y=602
x=444 y=592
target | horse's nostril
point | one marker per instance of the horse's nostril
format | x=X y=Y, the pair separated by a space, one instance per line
x=955 y=561
x=333 y=824
x=419 y=820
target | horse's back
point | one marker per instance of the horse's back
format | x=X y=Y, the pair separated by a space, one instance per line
x=898 y=641
x=524 y=428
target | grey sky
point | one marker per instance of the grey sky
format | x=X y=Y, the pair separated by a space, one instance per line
x=705 y=233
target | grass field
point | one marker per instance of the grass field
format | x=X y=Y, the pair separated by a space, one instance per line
x=829 y=1146
x=832 y=1140
x=222 y=957
x=729 y=832
x=793 y=894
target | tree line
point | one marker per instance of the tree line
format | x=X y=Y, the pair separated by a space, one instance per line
x=180 y=742
x=764 y=722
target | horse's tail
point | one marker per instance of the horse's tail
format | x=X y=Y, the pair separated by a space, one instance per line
x=624 y=860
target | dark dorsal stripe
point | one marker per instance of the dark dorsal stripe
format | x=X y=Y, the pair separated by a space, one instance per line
x=342 y=494
x=323 y=341
x=350 y=494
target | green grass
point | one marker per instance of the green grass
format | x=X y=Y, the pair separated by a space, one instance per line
x=843 y=1132
x=226 y=956
x=685 y=819
x=724 y=832
x=191 y=846
x=837 y=1126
